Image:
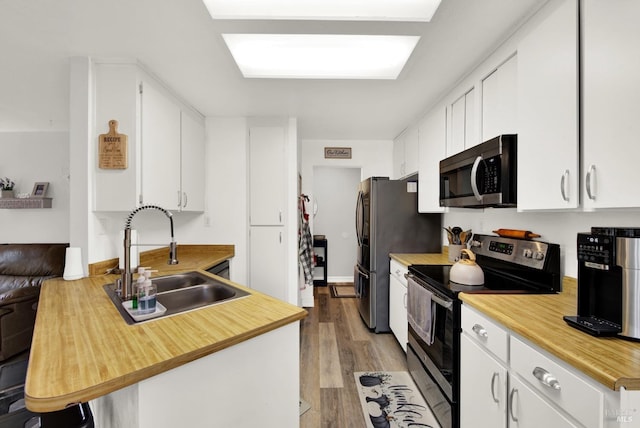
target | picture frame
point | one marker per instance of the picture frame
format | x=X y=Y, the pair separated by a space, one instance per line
x=39 y=190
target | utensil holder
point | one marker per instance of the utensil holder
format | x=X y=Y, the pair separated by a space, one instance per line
x=455 y=250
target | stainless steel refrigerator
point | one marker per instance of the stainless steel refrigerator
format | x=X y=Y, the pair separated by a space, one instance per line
x=387 y=221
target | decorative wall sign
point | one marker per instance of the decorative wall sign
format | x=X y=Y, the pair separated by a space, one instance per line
x=112 y=148
x=337 y=152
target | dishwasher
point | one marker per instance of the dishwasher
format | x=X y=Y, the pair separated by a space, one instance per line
x=221 y=269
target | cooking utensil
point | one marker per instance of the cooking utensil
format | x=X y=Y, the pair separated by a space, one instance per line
x=456 y=235
x=515 y=233
x=449 y=234
x=465 y=236
x=467 y=271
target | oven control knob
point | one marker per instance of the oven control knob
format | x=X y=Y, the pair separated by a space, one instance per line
x=527 y=253
x=538 y=255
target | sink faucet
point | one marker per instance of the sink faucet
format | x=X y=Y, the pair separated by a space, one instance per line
x=127 y=275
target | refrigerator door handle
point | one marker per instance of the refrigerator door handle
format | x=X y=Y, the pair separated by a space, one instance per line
x=359 y=219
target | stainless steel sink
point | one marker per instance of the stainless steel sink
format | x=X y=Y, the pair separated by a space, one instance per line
x=183 y=292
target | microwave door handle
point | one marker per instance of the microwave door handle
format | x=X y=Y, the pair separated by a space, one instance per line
x=474 y=178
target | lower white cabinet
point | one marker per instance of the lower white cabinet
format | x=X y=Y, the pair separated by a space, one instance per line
x=527 y=409
x=268 y=273
x=398 y=303
x=483 y=395
x=506 y=381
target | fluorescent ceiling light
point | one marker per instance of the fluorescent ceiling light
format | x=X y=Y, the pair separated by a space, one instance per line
x=320 y=56
x=352 y=10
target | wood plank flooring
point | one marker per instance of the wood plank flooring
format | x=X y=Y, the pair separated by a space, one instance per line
x=335 y=343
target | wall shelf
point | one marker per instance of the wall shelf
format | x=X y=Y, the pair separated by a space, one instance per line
x=17 y=203
x=321 y=262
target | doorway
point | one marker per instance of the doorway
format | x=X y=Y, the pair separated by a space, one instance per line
x=334 y=202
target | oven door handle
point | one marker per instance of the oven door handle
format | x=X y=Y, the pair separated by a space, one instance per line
x=361 y=272
x=444 y=302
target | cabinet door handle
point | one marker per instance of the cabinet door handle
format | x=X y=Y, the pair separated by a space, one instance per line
x=514 y=391
x=280 y=237
x=185 y=199
x=405 y=300
x=480 y=330
x=591 y=177
x=564 y=185
x=495 y=376
x=280 y=216
x=179 y=199
x=546 y=378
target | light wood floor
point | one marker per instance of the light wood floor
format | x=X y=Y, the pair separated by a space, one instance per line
x=335 y=343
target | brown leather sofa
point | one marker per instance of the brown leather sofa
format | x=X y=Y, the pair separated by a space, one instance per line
x=23 y=268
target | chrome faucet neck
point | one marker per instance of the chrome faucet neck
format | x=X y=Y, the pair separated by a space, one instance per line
x=126 y=292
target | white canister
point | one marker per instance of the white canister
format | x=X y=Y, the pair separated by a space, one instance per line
x=73 y=264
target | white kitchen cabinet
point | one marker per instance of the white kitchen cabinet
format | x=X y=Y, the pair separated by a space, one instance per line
x=483 y=392
x=462 y=124
x=506 y=379
x=165 y=142
x=405 y=153
x=528 y=410
x=268 y=272
x=192 y=154
x=160 y=139
x=267 y=175
x=432 y=149
x=483 y=372
x=499 y=100
x=611 y=89
x=398 y=302
x=548 y=140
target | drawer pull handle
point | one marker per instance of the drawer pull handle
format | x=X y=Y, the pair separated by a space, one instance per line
x=479 y=330
x=495 y=376
x=514 y=391
x=546 y=378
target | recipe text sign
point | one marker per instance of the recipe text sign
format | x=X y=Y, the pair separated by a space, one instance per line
x=337 y=152
x=112 y=148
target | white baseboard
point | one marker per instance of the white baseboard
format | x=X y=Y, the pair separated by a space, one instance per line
x=340 y=279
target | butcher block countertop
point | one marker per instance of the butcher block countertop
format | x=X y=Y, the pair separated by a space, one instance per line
x=83 y=349
x=613 y=362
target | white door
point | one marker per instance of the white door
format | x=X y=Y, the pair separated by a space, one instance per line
x=611 y=89
x=268 y=271
x=160 y=149
x=528 y=410
x=432 y=148
x=192 y=147
x=267 y=175
x=548 y=144
x=499 y=101
x=483 y=387
x=398 y=311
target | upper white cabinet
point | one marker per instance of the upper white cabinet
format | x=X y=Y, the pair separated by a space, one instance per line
x=165 y=143
x=405 y=153
x=192 y=152
x=267 y=175
x=611 y=112
x=160 y=148
x=462 y=124
x=548 y=142
x=499 y=100
x=432 y=139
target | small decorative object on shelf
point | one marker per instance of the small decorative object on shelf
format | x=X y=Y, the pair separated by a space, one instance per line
x=6 y=187
x=39 y=190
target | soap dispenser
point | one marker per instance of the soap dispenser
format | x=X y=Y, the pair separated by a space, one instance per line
x=147 y=293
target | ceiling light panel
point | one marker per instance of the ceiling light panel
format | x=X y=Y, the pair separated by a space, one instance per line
x=320 y=56
x=351 y=10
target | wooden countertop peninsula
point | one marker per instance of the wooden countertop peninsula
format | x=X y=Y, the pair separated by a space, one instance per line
x=612 y=362
x=83 y=349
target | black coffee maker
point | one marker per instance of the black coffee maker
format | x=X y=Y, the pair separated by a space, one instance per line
x=608 y=282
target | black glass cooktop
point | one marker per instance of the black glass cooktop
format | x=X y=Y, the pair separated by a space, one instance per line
x=494 y=281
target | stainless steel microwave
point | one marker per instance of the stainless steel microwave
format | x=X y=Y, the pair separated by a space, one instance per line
x=481 y=176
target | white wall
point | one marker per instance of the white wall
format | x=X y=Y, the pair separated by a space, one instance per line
x=28 y=157
x=335 y=192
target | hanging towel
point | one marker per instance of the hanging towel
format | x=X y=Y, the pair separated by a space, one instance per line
x=305 y=253
x=421 y=311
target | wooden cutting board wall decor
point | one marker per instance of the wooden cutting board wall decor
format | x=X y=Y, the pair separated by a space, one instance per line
x=112 y=148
